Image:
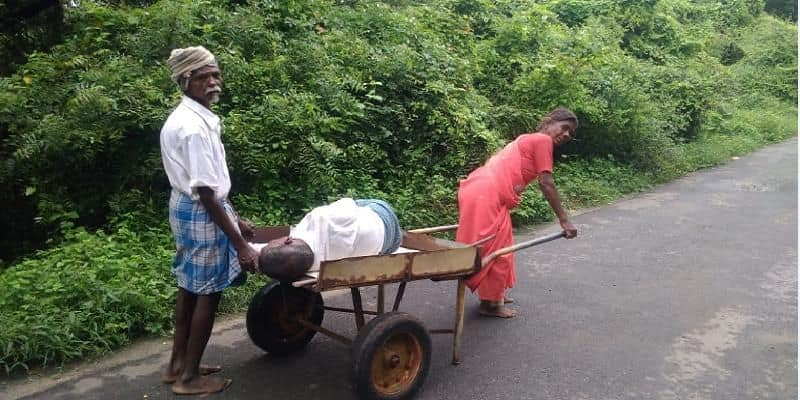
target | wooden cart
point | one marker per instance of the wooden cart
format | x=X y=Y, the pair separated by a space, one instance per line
x=391 y=353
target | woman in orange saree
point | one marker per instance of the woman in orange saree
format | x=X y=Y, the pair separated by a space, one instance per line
x=487 y=195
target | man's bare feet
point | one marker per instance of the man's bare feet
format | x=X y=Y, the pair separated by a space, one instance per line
x=490 y=309
x=169 y=377
x=201 y=385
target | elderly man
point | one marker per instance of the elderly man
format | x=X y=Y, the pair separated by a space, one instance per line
x=344 y=228
x=211 y=249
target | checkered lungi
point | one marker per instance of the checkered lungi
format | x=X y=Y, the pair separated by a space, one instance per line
x=206 y=261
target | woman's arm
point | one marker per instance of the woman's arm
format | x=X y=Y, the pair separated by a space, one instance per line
x=548 y=187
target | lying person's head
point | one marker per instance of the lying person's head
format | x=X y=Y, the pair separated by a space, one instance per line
x=285 y=259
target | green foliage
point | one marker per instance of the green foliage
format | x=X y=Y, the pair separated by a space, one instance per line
x=583 y=183
x=326 y=98
x=598 y=181
x=86 y=296
x=770 y=69
x=782 y=8
x=576 y=12
x=26 y=26
x=237 y=299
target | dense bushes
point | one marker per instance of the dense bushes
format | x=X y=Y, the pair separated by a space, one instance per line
x=782 y=8
x=85 y=297
x=328 y=98
x=323 y=99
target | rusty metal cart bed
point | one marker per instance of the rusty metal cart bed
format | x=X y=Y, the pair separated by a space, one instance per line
x=391 y=353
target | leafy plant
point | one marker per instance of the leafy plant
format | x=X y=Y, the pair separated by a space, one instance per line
x=85 y=297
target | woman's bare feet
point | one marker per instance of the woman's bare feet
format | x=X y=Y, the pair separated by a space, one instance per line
x=492 y=309
x=201 y=385
x=170 y=377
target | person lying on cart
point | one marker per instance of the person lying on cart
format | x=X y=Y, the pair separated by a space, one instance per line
x=342 y=229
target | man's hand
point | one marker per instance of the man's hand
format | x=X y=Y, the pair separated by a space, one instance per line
x=247 y=228
x=248 y=258
x=570 y=231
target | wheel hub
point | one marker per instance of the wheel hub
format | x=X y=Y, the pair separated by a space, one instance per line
x=396 y=364
x=392 y=360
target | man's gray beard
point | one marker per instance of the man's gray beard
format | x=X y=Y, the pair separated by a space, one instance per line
x=213 y=98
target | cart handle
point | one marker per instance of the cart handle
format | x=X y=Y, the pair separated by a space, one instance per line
x=435 y=229
x=523 y=245
x=482 y=241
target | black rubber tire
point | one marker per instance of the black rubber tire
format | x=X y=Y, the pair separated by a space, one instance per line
x=374 y=340
x=275 y=330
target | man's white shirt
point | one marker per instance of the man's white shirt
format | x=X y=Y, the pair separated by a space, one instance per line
x=340 y=230
x=192 y=150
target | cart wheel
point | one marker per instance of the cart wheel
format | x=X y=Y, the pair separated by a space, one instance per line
x=391 y=357
x=273 y=314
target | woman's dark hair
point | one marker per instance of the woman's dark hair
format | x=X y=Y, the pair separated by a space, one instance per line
x=557 y=115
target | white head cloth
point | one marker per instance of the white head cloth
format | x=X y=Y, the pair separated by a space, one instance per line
x=183 y=61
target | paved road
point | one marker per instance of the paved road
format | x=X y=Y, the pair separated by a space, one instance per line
x=688 y=291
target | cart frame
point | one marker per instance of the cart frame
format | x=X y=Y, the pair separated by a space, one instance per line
x=431 y=258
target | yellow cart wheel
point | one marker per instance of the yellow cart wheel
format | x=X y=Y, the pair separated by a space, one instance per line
x=391 y=357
